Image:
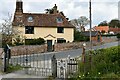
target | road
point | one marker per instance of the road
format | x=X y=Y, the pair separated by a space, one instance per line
x=59 y=55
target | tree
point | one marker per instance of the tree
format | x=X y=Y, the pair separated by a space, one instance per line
x=114 y=23
x=104 y=23
x=79 y=37
x=103 y=31
x=49 y=11
x=80 y=23
x=7 y=30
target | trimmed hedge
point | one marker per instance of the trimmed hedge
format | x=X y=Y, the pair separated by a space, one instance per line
x=37 y=41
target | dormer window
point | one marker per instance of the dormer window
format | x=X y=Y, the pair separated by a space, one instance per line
x=59 y=20
x=30 y=19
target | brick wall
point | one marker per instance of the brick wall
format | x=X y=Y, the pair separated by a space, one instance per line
x=23 y=50
x=68 y=46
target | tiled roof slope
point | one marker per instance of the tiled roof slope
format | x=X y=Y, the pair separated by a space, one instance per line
x=100 y=28
x=43 y=20
x=93 y=33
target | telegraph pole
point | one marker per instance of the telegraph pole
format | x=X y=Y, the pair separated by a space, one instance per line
x=90 y=33
x=90 y=23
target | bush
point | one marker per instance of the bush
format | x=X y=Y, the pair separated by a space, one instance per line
x=118 y=35
x=79 y=37
x=18 y=41
x=105 y=62
x=38 y=41
x=110 y=76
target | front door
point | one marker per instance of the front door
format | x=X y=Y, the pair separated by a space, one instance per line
x=49 y=45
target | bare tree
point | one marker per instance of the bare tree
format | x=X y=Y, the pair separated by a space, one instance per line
x=80 y=23
x=8 y=31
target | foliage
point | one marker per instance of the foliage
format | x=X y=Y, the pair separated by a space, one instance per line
x=103 y=31
x=105 y=63
x=37 y=41
x=110 y=76
x=114 y=23
x=79 y=37
x=8 y=31
x=12 y=68
x=108 y=35
x=118 y=35
x=49 y=11
x=19 y=40
x=104 y=23
x=80 y=23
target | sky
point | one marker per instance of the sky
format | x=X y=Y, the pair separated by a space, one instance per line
x=101 y=9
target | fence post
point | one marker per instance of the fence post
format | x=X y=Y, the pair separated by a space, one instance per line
x=54 y=66
x=7 y=56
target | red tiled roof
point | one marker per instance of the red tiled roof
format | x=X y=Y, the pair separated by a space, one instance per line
x=115 y=30
x=102 y=28
x=43 y=20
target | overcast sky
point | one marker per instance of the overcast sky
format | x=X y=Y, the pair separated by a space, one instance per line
x=101 y=9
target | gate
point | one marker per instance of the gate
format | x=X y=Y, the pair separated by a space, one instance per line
x=45 y=65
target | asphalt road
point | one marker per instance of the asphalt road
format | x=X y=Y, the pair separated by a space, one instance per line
x=59 y=55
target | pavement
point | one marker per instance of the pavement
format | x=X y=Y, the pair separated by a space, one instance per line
x=18 y=74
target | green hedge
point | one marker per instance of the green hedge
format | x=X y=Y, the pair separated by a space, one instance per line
x=108 y=35
x=79 y=37
x=37 y=41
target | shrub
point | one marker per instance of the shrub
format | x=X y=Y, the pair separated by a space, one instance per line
x=18 y=40
x=105 y=62
x=79 y=37
x=118 y=35
x=110 y=76
x=37 y=41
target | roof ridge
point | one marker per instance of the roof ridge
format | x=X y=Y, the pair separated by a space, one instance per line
x=41 y=14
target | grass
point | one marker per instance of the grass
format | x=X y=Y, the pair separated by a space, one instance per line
x=12 y=68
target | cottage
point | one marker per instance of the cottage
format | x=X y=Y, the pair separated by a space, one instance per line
x=53 y=27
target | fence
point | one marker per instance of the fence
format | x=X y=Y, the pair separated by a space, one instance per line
x=41 y=64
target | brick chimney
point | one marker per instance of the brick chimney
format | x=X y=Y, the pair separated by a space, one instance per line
x=55 y=11
x=19 y=7
x=19 y=12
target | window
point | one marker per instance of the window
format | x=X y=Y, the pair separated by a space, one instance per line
x=29 y=30
x=61 y=40
x=59 y=20
x=30 y=19
x=60 y=30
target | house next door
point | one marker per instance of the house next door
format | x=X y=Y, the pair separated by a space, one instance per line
x=49 y=45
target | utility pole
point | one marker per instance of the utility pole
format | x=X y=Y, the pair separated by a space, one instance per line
x=90 y=33
x=90 y=23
